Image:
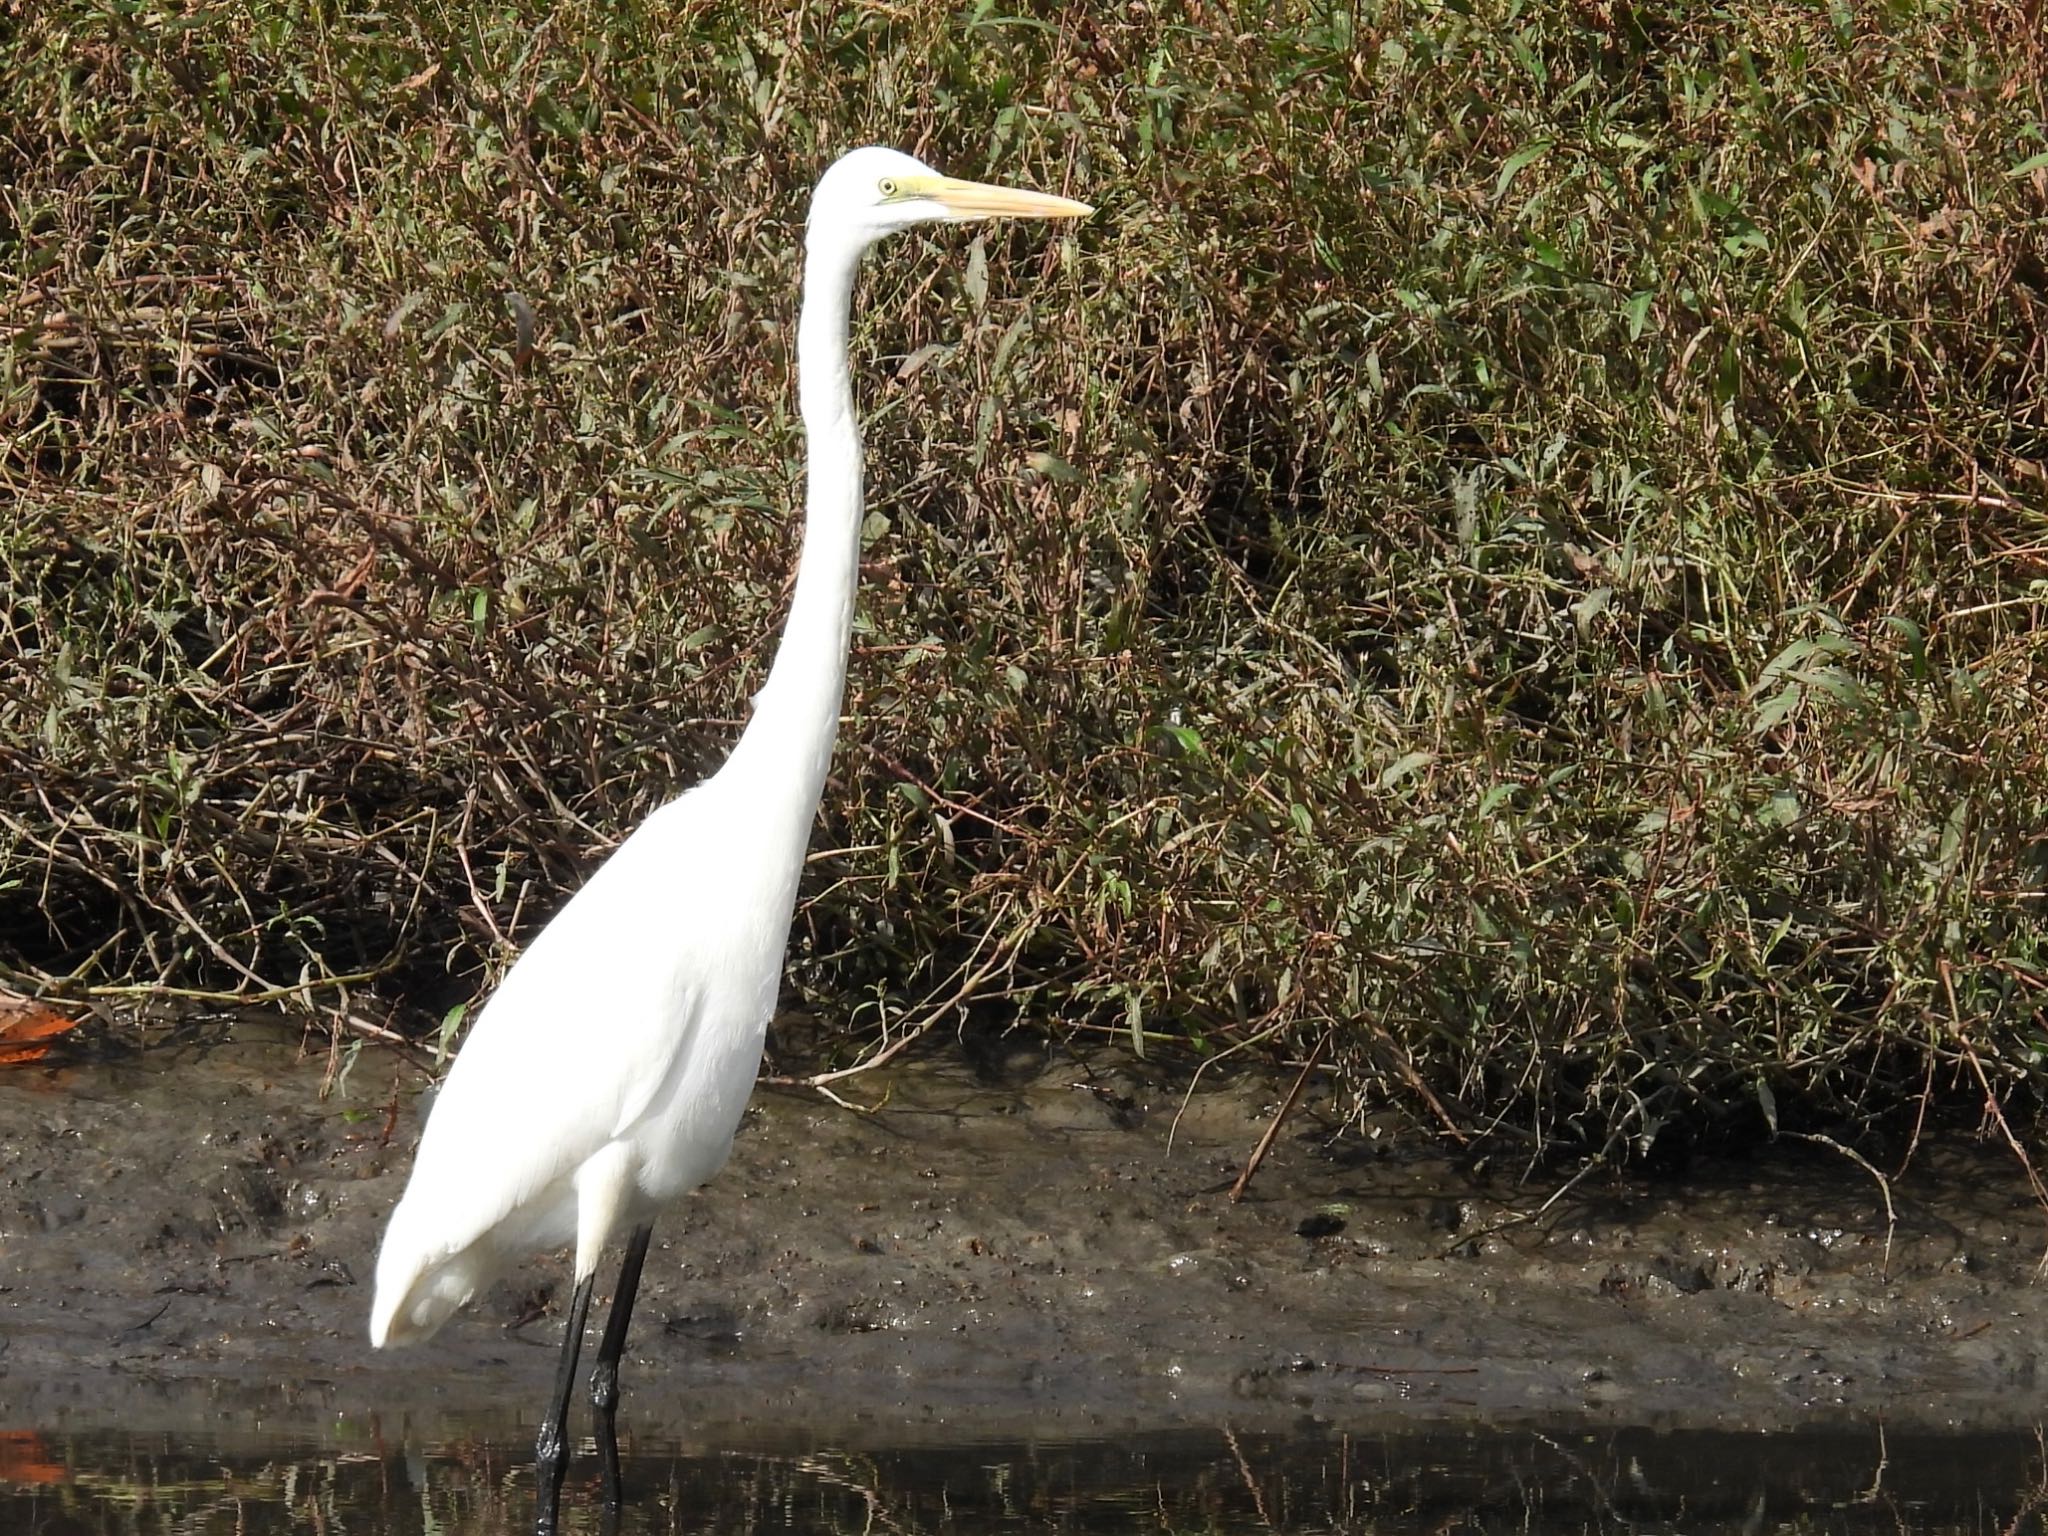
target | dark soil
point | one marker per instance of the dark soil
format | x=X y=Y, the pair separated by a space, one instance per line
x=1029 y=1246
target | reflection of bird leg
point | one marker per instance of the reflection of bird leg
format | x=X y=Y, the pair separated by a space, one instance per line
x=604 y=1376
x=551 y=1445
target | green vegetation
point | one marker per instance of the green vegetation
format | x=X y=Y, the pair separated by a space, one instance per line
x=1513 y=549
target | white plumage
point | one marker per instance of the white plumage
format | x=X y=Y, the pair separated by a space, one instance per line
x=609 y=1071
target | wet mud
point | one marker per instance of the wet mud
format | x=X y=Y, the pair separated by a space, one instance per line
x=1034 y=1245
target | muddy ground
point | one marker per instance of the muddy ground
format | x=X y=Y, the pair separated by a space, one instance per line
x=1027 y=1246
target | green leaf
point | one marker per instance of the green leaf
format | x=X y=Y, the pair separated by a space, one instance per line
x=451 y=317
x=1495 y=798
x=1638 y=312
x=1774 y=709
x=1404 y=766
x=1916 y=643
x=451 y=1021
x=1780 y=810
x=1518 y=162
x=2028 y=166
x=976 y=280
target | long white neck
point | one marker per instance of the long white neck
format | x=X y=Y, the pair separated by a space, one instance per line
x=796 y=713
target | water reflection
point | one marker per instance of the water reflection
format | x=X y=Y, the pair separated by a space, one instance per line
x=1846 y=1480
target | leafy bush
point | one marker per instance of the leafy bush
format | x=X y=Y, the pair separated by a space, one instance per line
x=1513 y=548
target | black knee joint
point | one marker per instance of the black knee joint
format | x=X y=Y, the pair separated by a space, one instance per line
x=551 y=1446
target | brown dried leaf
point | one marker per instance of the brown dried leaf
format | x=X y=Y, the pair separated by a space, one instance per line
x=25 y=1028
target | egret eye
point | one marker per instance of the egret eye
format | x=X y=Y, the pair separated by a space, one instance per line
x=888 y=186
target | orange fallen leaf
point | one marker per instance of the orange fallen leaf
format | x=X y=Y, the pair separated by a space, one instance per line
x=25 y=1459
x=26 y=1027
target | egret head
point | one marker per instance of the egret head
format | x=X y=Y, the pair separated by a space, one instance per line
x=872 y=192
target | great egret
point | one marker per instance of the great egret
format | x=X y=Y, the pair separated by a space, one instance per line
x=608 y=1073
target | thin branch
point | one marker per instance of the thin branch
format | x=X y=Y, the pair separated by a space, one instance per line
x=1251 y=1165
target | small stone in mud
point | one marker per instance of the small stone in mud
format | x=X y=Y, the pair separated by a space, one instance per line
x=851 y=1317
x=1320 y=1224
x=715 y=1327
x=1604 y=1389
x=1378 y=1389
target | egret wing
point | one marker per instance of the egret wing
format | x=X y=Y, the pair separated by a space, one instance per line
x=594 y=1015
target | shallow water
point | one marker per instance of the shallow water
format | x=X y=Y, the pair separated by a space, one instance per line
x=368 y=1480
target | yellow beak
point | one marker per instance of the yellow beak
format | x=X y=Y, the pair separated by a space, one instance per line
x=979 y=200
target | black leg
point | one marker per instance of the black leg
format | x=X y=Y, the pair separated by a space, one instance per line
x=551 y=1446
x=604 y=1376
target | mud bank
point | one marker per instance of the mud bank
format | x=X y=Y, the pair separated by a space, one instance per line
x=1030 y=1247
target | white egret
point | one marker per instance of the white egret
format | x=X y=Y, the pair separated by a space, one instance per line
x=607 y=1074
